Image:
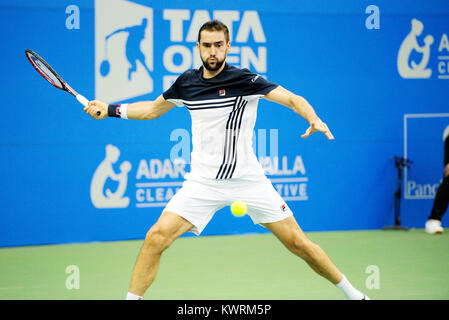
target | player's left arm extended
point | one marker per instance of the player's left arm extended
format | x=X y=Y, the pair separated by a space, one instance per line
x=301 y=107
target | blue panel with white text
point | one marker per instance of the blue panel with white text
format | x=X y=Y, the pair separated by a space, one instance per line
x=377 y=74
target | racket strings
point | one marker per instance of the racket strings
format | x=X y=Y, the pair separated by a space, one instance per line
x=44 y=70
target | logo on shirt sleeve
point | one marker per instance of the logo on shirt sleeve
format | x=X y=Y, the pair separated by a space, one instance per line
x=255 y=78
x=222 y=93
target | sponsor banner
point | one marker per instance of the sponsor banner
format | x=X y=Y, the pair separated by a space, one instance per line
x=377 y=74
x=124 y=46
x=425 y=149
x=154 y=181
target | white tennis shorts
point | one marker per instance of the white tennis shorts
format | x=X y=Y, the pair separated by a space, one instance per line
x=197 y=201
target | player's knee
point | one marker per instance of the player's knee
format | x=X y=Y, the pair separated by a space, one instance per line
x=301 y=246
x=157 y=239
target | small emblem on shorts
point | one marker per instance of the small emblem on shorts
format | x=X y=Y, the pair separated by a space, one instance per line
x=284 y=207
x=221 y=93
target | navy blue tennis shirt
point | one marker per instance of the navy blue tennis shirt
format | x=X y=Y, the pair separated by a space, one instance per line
x=223 y=111
x=192 y=86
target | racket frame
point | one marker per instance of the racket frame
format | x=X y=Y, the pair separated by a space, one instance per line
x=81 y=99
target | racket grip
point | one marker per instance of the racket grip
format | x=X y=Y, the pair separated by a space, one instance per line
x=81 y=99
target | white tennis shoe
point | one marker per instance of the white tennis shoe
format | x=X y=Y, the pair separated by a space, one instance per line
x=433 y=226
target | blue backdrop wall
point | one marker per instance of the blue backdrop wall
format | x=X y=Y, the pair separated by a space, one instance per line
x=380 y=84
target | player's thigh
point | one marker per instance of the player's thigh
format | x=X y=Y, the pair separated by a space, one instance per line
x=288 y=232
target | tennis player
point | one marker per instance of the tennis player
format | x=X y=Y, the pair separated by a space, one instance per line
x=222 y=101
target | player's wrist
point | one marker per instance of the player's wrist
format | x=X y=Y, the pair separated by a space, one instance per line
x=314 y=119
x=117 y=111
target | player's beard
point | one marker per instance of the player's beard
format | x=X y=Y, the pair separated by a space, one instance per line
x=217 y=65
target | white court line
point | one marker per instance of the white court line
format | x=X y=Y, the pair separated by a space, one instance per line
x=416 y=116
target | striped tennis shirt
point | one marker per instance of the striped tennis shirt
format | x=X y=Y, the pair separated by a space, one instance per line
x=223 y=111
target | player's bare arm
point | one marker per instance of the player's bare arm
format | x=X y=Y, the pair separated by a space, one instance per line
x=143 y=110
x=302 y=107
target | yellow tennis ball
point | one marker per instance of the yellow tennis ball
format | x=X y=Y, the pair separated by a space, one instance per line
x=238 y=208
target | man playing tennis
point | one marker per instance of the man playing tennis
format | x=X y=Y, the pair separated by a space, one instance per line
x=222 y=101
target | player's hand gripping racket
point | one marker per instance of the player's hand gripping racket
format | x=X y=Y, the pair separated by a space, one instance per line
x=53 y=77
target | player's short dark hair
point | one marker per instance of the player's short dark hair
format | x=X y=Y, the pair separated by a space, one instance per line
x=214 y=25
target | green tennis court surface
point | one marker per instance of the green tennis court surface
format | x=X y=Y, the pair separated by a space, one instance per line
x=411 y=265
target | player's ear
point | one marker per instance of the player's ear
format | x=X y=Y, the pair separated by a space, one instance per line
x=228 y=46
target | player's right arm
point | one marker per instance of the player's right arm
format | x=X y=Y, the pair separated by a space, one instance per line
x=143 y=110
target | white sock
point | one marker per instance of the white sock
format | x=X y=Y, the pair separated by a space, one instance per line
x=350 y=292
x=132 y=296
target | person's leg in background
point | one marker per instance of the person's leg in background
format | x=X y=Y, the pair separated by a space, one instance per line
x=441 y=201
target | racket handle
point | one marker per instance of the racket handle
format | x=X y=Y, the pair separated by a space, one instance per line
x=81 y=99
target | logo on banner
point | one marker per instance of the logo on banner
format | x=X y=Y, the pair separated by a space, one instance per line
x=109 y=185
x=123 y=50
x=414 y=57
x=424 y=177
x=411 y=69
x=102 y=198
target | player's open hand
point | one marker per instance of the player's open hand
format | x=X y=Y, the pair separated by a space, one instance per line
x=318 y=125
x=95 y=106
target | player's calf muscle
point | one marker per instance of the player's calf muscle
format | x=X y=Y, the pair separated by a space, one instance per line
x=301 y=246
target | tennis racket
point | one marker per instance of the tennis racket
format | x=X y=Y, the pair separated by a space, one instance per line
x=53 y=77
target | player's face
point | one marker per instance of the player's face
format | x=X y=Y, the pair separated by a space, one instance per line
x=213 y=49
